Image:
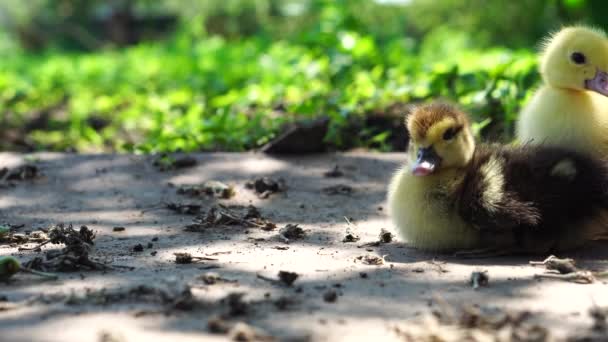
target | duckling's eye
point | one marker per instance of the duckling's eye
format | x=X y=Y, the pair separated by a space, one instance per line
x=449 y=133
x=578 y=58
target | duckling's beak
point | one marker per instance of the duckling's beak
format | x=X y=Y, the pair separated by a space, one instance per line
x=427 y=162
x=599 y=83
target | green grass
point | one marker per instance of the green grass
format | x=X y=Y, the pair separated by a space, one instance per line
x=212 y=94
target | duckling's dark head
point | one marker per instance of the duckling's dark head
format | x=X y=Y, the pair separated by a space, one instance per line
x=440 y=138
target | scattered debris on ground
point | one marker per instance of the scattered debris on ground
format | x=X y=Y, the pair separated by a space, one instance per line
x=254 y=217
x=471 y=323
x=74 y=256
x=384 y=237
x=439 y=265
x=291 y=232
x=211 y=278
x=165 y=162
x=552 y=263
x=68 y=236
x=479 y=278
x=184 y=208
x=212 y=188
x=340 y=189
x=10 y=266
x=187 y=258
x=288 y=278
x=219 y=216
x=370 y=259
x=284 y=278
x=266 y=186
x=232 y=227
x=334 y=173
x=7 y=235
x=350 y=235
x=172 y=296
x=21 y=173
x=565 y=269
x=215 y=217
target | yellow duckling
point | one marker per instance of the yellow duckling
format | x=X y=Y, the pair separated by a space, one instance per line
x=454 y=195
x=571 y=108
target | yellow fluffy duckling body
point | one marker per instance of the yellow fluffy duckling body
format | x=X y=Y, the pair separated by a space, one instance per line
x=571 y=108
x=454 y=195
x=418 y=205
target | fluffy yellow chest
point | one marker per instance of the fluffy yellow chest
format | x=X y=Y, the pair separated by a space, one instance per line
x=577 y=120
x=424 y=217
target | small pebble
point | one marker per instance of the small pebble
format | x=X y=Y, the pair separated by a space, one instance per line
x=330 y=296
x=287 y=278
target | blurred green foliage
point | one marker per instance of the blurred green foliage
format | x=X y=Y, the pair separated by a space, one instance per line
x=235 y=71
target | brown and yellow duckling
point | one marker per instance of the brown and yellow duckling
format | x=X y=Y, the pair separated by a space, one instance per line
x=454 y=195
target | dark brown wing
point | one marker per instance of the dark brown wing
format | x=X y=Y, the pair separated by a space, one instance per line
x=484 y=199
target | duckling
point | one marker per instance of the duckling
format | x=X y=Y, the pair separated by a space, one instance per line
x=571 y=108
x=455 y=196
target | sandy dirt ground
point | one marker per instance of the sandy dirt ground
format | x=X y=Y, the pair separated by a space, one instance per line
x=144 y=295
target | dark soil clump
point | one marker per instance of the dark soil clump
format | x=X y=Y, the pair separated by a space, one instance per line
x=385 y=236
x=330 y=296
x=266 y=186
x=288 y=278
x=291 y=232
